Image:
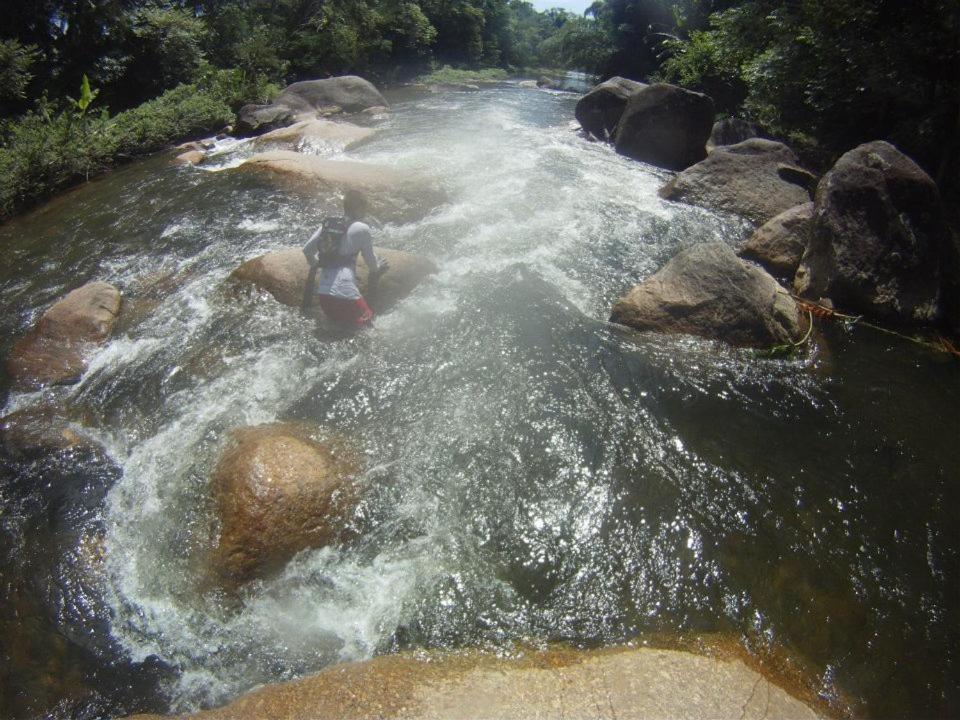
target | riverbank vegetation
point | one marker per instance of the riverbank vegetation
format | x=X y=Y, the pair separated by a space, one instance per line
x=825 y=75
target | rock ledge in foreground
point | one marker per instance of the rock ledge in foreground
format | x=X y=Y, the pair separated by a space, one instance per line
x=622 y=684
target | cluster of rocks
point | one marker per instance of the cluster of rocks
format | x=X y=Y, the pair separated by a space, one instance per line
x=868 y=237
x=280 y=488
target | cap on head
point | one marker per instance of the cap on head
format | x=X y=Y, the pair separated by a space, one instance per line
x=354 y=203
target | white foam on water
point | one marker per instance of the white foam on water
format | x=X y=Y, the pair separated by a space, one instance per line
x=258 y=226
x=521 y=195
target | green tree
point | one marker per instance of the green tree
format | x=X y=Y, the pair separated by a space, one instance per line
x=16 y=72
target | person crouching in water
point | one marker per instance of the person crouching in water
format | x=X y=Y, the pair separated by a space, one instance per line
x=334 y=248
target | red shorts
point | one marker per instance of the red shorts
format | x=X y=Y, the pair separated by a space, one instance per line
x=349 y=313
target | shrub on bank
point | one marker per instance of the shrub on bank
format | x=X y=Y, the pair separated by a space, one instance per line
x=449 y=75
x=48 y=150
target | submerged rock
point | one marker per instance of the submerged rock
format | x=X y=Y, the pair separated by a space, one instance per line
x=779 y=244
x=599 y=111
x=666 y=126
x=279 y=490
x=879 y=241
x=53 y=352
x=616 y=683
x=394 y=195
x=285 y=274
x=42 y=431
x=756 y=179
x=341 y=135
x=350 y=92
x=708 y=291
x=190 y=157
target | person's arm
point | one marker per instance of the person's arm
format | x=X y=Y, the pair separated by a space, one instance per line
x=376 y=268
x=312 y=247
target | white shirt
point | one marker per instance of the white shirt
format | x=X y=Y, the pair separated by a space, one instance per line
x=341 y=281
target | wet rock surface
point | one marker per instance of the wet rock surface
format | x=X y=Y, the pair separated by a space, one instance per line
x=340 y=135
x=53 y=352
x=779 y=244
x=708 y=291
x=746 y=179
x=666 y=126
x=279 y=489
x=611 y=684
x=599 y=111
x=394 y=195
x=879 y=242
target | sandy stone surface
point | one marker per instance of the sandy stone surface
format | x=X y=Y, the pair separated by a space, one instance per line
x=618 y=684
x=395 y=195
x=341 y=135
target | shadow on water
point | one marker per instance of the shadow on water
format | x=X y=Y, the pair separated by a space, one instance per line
x=534 y=473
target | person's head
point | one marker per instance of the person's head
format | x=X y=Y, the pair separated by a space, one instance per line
x=354 y=204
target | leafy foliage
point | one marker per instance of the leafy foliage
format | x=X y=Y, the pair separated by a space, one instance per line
x=50 y=148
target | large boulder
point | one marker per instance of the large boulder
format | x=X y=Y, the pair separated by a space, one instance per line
x=394 y=195
x=53 y=352
x=666 y=126
x=258 y=119
x=879 y=241
x=286 y=273
x=757 y=179
x=731 y=131
x=279 y=489
x=337 y=135
x=779 y=244
x=349 y=92
x=599 y=111
x=552 y=684
x=708 y=291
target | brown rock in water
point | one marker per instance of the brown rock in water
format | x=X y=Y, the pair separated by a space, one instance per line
x=191 y=157
x=879 y=244
x=340 y=135
x=779 y=244
x=52 y=353
x=350 y=92
x=666 y=126
x=607 y=684
x=394 y=195
x=279 y=490
x=752 y=179
x=285 y=273
x=708 y=291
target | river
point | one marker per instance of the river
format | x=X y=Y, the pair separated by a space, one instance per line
x=536 y=474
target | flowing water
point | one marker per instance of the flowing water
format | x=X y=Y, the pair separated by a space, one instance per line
x=534 y=473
